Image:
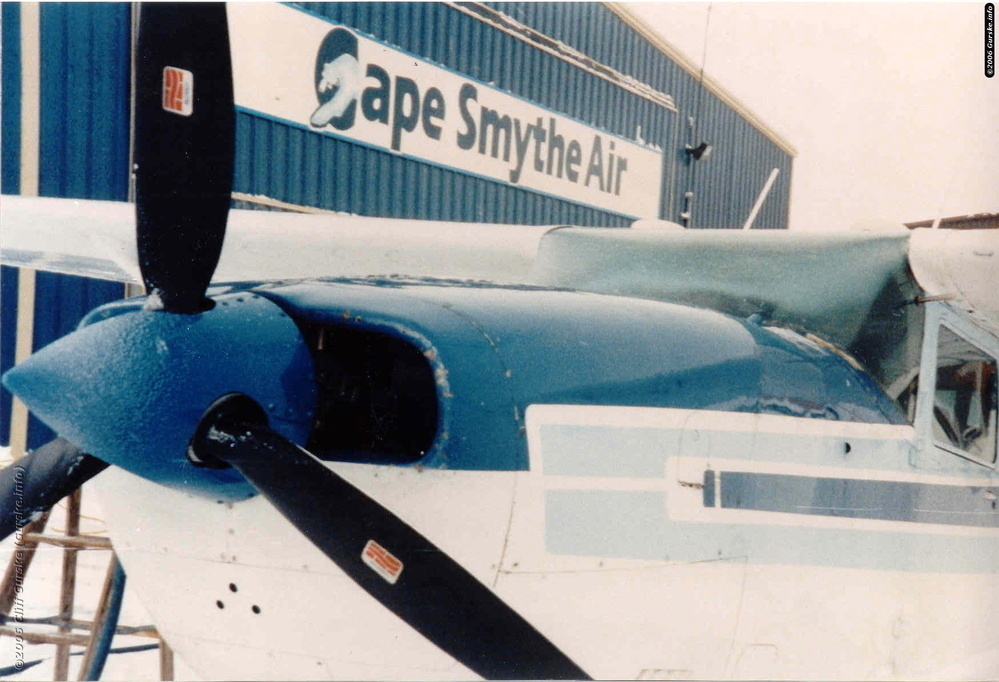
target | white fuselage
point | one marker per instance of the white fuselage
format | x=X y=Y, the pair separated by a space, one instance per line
x=609 y=546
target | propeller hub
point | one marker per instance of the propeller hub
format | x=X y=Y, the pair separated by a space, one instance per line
x=132 y=389
x=230 y=408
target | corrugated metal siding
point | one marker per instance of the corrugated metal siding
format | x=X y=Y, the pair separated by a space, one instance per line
x=726 y=185
x=367 y=181
x=85 y=100
x=10 y=112
x=84 y=152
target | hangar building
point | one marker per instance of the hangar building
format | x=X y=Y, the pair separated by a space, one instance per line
x=512 y=113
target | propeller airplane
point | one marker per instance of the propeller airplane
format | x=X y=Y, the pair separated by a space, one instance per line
x=446 y=451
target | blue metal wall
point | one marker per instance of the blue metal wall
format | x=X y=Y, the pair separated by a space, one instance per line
x=727 y=184
x=10 y=112
x=83 y=152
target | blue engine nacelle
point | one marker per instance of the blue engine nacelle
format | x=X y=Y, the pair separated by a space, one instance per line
x=471 y=359
x=435 y=374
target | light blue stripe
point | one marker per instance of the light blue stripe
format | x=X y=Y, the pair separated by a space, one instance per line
x=601 y=451
x=633 y=525
x=641 y=452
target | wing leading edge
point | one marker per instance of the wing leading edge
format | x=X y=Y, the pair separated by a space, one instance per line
x=843 y=286
x=97 y=239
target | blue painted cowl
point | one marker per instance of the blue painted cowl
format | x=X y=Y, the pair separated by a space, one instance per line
x=131 y=389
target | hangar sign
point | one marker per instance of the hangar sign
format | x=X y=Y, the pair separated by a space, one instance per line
x=310 y=73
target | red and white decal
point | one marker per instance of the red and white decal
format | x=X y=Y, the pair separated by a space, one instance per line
x=381 y=561
x=178 y=90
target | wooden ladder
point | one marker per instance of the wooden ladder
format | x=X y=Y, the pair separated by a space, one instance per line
x=64 y=637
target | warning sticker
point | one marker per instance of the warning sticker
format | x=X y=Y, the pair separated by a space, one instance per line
x=178 y=90
x=381 y=561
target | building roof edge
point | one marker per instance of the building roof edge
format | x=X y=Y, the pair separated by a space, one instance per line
x=688 y=65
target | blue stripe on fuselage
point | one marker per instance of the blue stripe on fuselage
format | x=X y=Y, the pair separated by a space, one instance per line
x=955 y=505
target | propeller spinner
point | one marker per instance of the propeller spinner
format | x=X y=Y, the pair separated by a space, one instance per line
x=212 y=396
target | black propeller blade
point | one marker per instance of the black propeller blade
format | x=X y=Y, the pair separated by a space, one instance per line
x=35 y=482
x=385 y=556
x=184 y=141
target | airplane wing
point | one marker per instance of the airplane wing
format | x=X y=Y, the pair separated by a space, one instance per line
x=839 y=285
x=961 y=266
x=72 y=237
x=830 y=284
x=834 y=284
x=97 y=239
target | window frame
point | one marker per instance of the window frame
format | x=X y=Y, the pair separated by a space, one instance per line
x=939 y=315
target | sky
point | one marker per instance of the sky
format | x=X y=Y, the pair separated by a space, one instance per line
x=887 y=104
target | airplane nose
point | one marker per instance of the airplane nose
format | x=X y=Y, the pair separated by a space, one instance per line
x=131 y=389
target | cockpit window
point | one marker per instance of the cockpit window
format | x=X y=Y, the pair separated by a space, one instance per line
x=964 y=401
